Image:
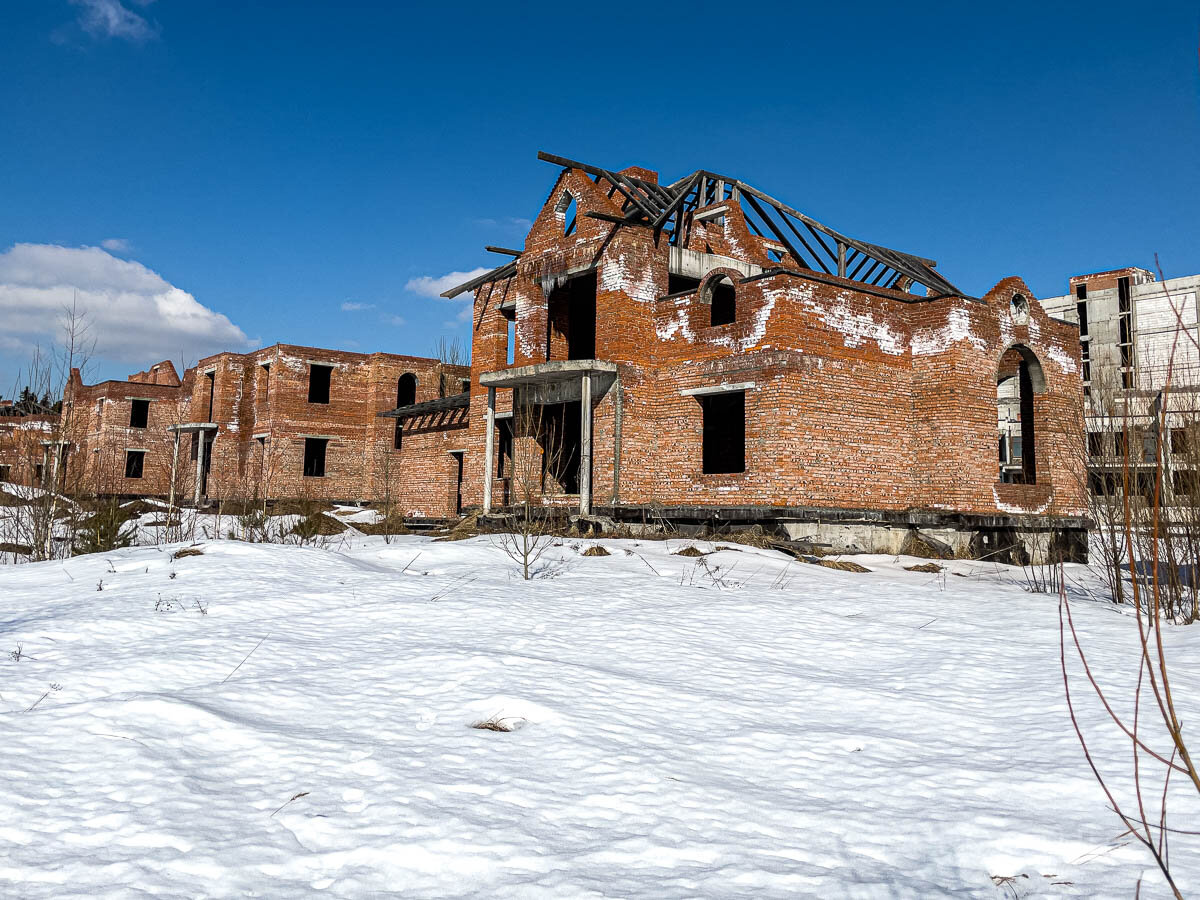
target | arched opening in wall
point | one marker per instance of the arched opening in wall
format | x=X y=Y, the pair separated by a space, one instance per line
x=567 y=213
x=1018 y=309
x=1018 y=378
x=721 y=298
x=406 y=395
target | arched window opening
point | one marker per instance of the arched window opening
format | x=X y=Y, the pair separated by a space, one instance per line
x=1018 y=378
x=1018 y=308
x=722 y=300
x=567 y=213
x=406 y=395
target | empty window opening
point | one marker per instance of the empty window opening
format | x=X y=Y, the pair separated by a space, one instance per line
x=1125 y=333
x=774 y=254
x=504 y=448
x=314 y=457
x=1081 y=311
x=1019 y=308
x=139 y=413
x=134 y=463
x=5 y=472
x=195 y=451
x=318 y=383
x=1018 y=377
x=1095 y=443
x=265 y=390
x=721 y=297
x=680 y=284
x=39 y=471
x=212 y=389
x=567 y=212
x=558 y=435
x=1104 y=484
x=571 y=319
x=465 y=385
x=406 y=395
x=459 y=456
x=724 y=434
x=1181 y=441
x=1185 y=484
x=1081 y=291
x=510 y=321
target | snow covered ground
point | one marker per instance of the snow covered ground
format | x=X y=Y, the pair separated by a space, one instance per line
x=737 y=725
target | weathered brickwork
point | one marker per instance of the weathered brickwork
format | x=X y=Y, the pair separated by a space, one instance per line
x=822 y=392
x=256 y=410
x=855 y=397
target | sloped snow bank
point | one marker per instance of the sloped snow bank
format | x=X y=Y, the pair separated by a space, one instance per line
x=279 y=721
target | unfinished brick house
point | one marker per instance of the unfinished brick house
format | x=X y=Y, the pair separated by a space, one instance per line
x=284 y=421
x=26 y=444
x=700 y=351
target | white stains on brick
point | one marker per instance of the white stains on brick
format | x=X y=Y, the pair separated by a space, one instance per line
x=856 y=328
x=929 y=342
x=1061 y=358
x=678 y=322
x=1020 y=510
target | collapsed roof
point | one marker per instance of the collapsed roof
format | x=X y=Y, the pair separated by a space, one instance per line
x=668 y=209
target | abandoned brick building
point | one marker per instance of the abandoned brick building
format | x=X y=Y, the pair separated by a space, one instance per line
x=695 y=351
x=284 y=421
x=699 y=350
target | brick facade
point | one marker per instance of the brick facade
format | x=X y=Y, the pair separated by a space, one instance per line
x=255 y=409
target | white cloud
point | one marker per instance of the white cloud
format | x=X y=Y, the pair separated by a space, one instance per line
x=116 y=245
x=134 y=314
x=434 y=285
x=395 y=320
x=111 y=18
x=351 y=306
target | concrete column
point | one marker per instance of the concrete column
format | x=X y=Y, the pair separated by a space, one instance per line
x=585 y=448
x=200 y=455
x=489 y=449
x=174 y=469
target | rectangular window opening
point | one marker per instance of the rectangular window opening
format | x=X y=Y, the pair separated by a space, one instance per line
x=318 y=383
x=1095 y=443
x=314 y=457
x=1081 y=291
x=510 y=317
x=5 y=472
x=134 y=463
x=139 y=413
x=724 y=434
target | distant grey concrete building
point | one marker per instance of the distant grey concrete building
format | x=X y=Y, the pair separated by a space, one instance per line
x=1134 y=331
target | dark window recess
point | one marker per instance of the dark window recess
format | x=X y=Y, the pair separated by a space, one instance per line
x=4 y=472
x=139 y=413
x=38 y=472
x=722 y=301
x=406 y=395
x=135 y=460
x=314 y=457
x=466 y=385
x=1095 y=443
x=1081 y=291
x=504 y=454
x=1180 y=441
x=1119 y=440
x=724 y=441
x=195 y=446
x=572 y=314
x=1104 y=484
x=318 y=383
x=1081 y=309
x=677 y=284
x=212 y=389
x=1186 y=483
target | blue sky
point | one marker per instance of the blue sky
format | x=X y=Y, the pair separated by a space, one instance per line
x=299 y=168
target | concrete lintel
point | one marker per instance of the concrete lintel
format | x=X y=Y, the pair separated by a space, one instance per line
x=318 y=437
x=722 y=388
x=547 y=372
x=194 y=426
